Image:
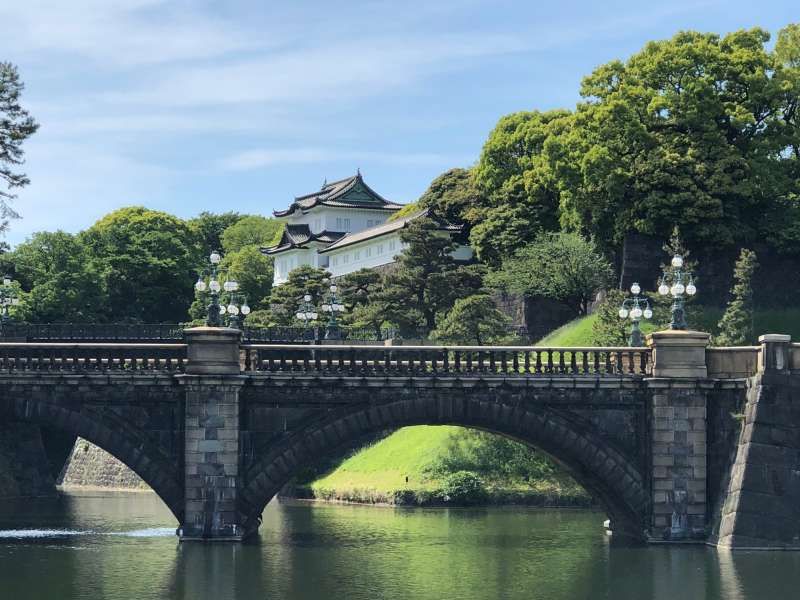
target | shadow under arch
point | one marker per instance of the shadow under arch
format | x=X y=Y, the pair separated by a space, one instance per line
x=594 y=462
x=111 y=433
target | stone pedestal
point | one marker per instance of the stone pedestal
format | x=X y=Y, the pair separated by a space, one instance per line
x=212 y=475
x=212 y=350
x=774 y=356
x=679 y=353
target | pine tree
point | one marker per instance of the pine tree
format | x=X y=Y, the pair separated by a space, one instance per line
x=16 y=125
x=736 y=325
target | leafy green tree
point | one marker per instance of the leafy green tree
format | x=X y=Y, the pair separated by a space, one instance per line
x=359 y=287
x=254 y=272
x=286 y=298
x=561 y=266
x=608 y=329
x=252 y=230
x=699 y=129
x=61 y=285
x=517 y=195
x=736 y=325
x=208 y=228
x=370 y=316
x=408 y=209
x=453 y=197
x=427 y=279
x=360 y=292
x=473 y=320
x=146 y=260
x=16 y=125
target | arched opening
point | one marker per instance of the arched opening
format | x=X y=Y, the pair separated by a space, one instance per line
x=112 y=434
x=589 y=458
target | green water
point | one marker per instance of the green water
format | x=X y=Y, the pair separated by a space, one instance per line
x=122 y=547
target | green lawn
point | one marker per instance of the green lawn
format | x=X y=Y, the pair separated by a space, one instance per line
x=384 y=465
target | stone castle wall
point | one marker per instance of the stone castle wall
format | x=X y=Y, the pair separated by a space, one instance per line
x=92 y=467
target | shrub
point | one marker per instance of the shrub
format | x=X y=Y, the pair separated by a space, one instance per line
x=463 y=487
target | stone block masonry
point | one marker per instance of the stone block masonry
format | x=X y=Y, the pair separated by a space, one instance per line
x=211 y=460
x=91 y=467
x=678 y=455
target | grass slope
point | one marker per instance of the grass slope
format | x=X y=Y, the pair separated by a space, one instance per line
x=384 y=465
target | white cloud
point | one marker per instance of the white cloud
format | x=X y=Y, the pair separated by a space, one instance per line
x=74 y=184
x=121 y=33
x=265 y=158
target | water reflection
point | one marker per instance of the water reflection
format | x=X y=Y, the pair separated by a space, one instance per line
x=122 y=547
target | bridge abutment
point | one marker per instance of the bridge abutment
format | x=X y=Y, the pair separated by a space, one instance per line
x=212 y=470
x=761 y=509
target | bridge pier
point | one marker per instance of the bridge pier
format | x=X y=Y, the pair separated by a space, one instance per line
x=677 y=416
x=212 y=470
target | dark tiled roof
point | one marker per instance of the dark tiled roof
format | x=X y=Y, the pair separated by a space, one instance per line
x=298 y=236
x=345 y=193
x=384 y=228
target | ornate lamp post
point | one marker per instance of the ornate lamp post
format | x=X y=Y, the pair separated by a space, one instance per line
x=306 y=312
x=676 y=282
x=8 y=298
x=237 y=308
x=332 y=306
x=237 y=303
x=635 y=308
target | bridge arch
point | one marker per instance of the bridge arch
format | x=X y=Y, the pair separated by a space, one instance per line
x=113 y=434
x=593 y=462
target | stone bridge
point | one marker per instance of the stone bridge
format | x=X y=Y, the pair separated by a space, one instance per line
x=677 y=441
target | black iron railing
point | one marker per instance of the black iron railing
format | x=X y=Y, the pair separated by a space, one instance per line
x=170 y=332
x=349 y=360
x=60 y=357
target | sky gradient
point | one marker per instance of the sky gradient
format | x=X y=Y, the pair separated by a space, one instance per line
x=190 y=106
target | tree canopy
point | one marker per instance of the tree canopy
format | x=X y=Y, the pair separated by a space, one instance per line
x=427 y=279
x=252 y=230
x=561 y=266
x=146 y=260
x=699 y=130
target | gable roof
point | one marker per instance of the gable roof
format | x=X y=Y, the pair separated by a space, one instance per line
x=349 y=239
x=299 y=236
x=345 y=193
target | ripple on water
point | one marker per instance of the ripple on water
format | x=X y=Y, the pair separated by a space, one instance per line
x=21 y=534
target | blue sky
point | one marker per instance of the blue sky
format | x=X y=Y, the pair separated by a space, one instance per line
x=189 y=106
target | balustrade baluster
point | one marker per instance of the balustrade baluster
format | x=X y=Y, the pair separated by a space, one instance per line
x=480 y=361
x=503 y=362
x=457 y=360
x=618 y=356
x=573 y=363
x=469 y=361
x=608 y=363
x=527 y=362
x=562 y=367
x=538 y=361
x=585 y=362
x=446 y=366
x=515 y=365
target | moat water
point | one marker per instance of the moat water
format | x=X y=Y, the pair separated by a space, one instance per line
x=123 y=547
